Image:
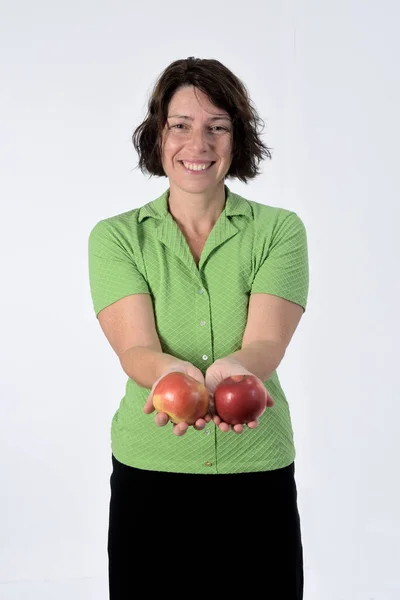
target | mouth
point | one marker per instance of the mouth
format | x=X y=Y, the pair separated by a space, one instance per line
x=197 y=168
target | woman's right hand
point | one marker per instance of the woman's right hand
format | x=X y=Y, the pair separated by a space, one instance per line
x=163 y=419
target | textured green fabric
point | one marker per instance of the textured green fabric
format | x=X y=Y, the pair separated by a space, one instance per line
x=200 y=316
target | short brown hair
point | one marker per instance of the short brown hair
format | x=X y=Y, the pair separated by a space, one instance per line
x=227 y=92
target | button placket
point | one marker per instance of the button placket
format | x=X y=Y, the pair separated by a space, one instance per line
x=202 y=317
x=204 y=343
x=209 y=453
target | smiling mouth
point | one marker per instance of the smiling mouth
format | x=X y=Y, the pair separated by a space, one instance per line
x=197 y=167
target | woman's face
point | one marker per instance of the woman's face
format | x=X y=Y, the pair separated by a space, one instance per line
x=196 y=142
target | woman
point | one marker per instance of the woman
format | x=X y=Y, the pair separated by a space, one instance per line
x=206 y=282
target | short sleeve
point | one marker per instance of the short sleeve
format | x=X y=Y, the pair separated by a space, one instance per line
x=113 y=273
x=285 y=271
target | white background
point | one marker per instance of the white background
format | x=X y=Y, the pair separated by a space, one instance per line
x=75 y=77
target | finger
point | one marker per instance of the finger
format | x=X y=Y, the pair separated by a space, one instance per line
x=238 y=428
x=199 y=425
x=208 y=418
x=161 y=419
x=270 y=401
x=252 y=424
x=217 y=420
x=224 y=427
x=180 y=428
x=148 y=408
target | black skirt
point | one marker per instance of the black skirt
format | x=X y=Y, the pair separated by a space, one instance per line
x=201 y=534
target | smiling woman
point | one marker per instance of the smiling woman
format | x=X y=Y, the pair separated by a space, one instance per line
x=230 y=107
x=210 y=284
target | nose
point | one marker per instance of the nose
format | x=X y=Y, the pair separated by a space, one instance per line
x=198 y=141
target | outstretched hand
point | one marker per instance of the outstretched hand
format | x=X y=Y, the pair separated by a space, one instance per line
x=219 y=370
x=162 y=418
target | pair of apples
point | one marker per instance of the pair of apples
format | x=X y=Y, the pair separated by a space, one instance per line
x=238 y=399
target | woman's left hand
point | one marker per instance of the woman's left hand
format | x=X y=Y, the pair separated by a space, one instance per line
x=219 y=370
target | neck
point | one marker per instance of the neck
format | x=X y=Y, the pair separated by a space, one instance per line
x=196 y=213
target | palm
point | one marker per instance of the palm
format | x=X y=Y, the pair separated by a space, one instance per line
x=216 y=373
x=161 y=418
x=220 y=370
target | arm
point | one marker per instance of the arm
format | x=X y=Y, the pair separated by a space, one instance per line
x=129 y=326
x=270 y=326
x=278 y=299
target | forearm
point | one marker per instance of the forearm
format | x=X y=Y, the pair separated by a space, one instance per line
x=145 y=364
x=260 y=358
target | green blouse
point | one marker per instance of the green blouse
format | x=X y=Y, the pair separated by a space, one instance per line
x=200 y=313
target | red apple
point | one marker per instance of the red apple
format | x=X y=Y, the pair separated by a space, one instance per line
x=182 y=397
x=240 y=399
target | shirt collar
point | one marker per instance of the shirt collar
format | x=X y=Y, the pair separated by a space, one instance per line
x=235 y=205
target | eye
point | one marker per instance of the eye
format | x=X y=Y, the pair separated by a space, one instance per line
x=213 y=128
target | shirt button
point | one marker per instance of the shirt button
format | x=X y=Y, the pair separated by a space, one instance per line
x=201 y=291
x=202 y=323
x=204 y=357
x=207 y=431
x=208 y=463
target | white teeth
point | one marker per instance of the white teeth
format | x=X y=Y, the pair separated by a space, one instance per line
x=196 y=167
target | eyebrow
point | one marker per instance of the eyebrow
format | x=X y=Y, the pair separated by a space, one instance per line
x=215 y=118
